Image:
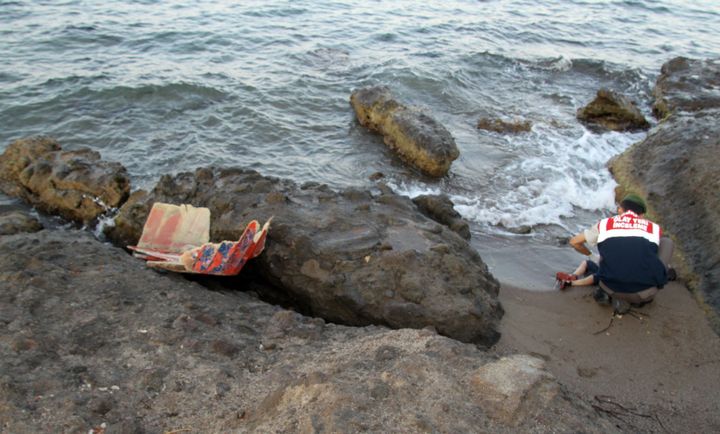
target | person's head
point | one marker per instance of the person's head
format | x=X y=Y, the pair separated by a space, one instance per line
x=633 y=202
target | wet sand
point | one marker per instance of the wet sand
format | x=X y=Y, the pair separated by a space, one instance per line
x=656 y=369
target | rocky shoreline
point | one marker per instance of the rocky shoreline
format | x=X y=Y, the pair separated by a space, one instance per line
x=675 y=168
x=351 y=257
x=391 y=306
x=92 y=337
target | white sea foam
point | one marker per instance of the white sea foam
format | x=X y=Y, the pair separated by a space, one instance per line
x=412 y=189
x=275 y=98
x=104 y=222
x=547 y=186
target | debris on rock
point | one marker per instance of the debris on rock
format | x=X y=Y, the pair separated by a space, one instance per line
x=176 y=238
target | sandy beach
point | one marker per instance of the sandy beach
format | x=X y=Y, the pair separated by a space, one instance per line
x=656 y=369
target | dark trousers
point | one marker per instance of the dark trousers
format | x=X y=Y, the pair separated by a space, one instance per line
x=665 y=251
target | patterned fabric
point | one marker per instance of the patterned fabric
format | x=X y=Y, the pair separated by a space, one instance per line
x=175 y=237
x=228 y=257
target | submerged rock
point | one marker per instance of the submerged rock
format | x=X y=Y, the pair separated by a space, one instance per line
x=687 y=85
x=77 y=185
x=503 y=126
x=94 y=340
x=417 y=138
x=613 y=111
x=350 y=257
x=518 y=230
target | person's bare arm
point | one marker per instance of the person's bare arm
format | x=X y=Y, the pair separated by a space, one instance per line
x=578 y=243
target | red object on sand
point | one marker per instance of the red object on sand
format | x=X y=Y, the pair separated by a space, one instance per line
x=565 y=279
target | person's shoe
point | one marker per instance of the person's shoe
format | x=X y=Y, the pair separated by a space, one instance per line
x=565 y=279
x=620 y=307
x=672 y=274
x=601 y=297
x=641 y=304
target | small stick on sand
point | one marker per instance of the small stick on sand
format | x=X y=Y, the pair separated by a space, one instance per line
x=612 y=318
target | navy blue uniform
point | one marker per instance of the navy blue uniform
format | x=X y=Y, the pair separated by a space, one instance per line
x=628 y=246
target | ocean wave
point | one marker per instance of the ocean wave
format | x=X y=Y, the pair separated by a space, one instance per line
x=8 y=77
x=73 y=37
x=542 y=185
x=561 y=64
x=156 y=93
x=274 y=12
x=76 y=81
x=646 y=6
x=165 y=86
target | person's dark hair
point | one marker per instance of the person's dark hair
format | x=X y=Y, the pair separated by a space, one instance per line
x=635 y=207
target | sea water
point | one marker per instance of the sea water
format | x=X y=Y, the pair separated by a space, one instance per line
x=169 y=86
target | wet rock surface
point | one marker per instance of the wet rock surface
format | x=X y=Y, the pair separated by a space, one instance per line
x=676 y=168
x=14 y=222
x=351 y=257
x=90 y=338
x=77 y=185
x=613 y=111
x=502 y=126
x=671 y=167
x=688 y=85
x=441 y=209
x=416 y=137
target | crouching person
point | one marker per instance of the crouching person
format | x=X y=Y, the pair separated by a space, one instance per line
x=634 y=258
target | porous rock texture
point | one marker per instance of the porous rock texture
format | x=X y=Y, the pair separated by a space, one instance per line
x=687 y=85
x=440 y=208
x=77 y=184
x=503 y=126
x=352 y=257
x=92 y=341
x=416 y=137
x=14 y=222
x=613 y=111
x=676 y=168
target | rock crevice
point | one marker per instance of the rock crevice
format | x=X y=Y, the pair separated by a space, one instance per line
x=352 y=257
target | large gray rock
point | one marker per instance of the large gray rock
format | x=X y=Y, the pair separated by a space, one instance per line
x=77 y=185
x=687 y=85
x=91 y=339
x=417 y=138
x=676 y=167
x=612 y=111
x=350 y=257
